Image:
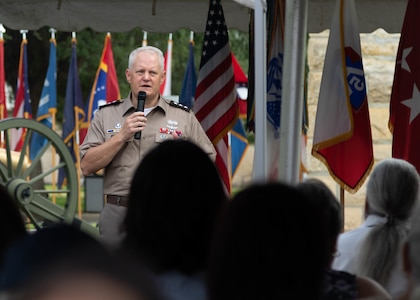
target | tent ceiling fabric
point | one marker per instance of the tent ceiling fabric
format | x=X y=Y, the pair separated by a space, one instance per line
x=372 y=14
x=171 y=15
x=118 y=16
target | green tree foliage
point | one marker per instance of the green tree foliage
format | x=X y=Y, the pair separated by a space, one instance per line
x=89 y=49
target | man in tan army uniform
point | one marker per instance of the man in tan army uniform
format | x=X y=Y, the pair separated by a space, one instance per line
x=110 y=144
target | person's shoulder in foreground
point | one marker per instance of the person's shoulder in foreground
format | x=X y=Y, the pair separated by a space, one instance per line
x=62 y=262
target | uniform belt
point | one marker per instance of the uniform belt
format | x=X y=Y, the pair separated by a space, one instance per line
x=117 y=200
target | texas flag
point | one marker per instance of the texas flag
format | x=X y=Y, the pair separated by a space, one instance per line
x=404 y=121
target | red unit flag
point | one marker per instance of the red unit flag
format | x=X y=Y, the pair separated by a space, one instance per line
x=404 y=122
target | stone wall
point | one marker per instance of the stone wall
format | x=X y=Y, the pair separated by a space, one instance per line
x=379 y=50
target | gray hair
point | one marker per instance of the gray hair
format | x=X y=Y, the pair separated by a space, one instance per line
x=155 y=50
x=392 y=192
x=413 y=242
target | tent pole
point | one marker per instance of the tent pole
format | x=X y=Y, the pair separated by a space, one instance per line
x=293 y=89
x=260 y=168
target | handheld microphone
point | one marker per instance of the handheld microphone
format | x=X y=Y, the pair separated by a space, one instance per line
x=141 y=98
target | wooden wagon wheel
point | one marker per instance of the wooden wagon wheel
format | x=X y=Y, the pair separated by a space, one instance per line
x=21 y=177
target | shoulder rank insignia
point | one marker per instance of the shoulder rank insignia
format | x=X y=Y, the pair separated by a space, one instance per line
x=115 y=102
x=179 y=105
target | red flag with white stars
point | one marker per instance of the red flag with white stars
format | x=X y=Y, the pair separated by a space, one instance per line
x=404 y=120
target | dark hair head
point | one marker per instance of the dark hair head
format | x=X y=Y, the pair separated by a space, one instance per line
x=12 y=226
x=329 y=205
x=62 y=252
x=38 y=252
x=175 y=198
x=269 y=245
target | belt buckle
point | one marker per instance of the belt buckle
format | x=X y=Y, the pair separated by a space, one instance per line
x=118 y=200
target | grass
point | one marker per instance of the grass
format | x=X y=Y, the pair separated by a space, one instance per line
x=234 y=191
x=60 y=198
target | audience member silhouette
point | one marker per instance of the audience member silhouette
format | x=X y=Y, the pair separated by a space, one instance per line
x=12 y=225
x=339 y=284
x=62 y=262
x=268 y=245
x=375 y=248
x=175 y=199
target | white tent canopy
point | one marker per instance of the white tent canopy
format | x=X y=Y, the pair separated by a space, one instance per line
x=118 y=16
x=171 y=15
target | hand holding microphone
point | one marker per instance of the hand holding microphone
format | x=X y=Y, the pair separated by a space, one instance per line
x=141 y=98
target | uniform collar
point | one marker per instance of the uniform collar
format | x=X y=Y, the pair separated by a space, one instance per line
x=127 y=105
x=163 y=103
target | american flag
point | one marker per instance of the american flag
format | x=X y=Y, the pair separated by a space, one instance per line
x=216 y=105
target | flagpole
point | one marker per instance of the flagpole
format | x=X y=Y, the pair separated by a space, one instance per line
x=2 y=31
x=260 y=64
x=76 y=152
x=25 y=114
x=229 y=157
x=144 y=42
x=293 y=87
x=24 y=32
x=342 y=207
x=53 y=127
